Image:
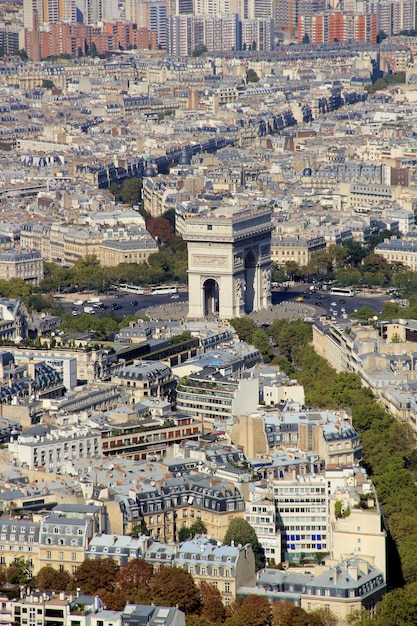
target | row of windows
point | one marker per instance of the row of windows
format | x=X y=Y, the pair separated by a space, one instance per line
x=297 y=490
x=61 y=555
x=69 y=531
x=14 y=529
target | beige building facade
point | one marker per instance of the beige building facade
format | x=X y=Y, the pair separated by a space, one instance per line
x=21 y=263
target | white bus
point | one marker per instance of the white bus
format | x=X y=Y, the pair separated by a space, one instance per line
x=131 y=289
x=162 y=290
x=342 y=291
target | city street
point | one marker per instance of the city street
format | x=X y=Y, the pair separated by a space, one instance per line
x=284 y=304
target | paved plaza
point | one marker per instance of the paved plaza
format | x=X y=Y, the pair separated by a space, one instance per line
x=285 y=310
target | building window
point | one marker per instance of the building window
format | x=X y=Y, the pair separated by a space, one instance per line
x=227 y=587
x=48 y=554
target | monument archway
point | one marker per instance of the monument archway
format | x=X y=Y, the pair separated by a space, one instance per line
x=251 y=278
x=229 y=261
x=211 y=296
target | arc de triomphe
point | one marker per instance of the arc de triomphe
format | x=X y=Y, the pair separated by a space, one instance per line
x=229 y=262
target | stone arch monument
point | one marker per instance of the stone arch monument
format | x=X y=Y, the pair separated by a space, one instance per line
x=229 y=262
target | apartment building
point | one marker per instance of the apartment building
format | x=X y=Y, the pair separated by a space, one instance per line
x=50 y=448
x=402 y=251
x=225 y=567
x=327 y=434
x=262 y=515
x=18 y=538
x=58 y=538
x=14 y=319
x=303 y=516
x=65 y=245
x=65 y=534
x=21 y=263
x=344 y=588
x=148 y=438
x=383 y=356
x=296 y=248
x=361 y=534
x=209 y=395
x=45 y=609
x=146 y=379
x=159 y=194
x=112 y=253
x=179 y=502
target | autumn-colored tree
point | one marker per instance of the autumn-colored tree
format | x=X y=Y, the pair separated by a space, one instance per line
x=198 y=620
x=96 y=576
x=161 y=228
x=173 y=586
x=50 y=579
x=285 y=613
x=211 y=603
x=133 y=581
x=255 y=611
x=322 y=617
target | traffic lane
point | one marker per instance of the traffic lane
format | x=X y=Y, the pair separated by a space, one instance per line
x=124 y=305
x=323 y=300
x=351 y=304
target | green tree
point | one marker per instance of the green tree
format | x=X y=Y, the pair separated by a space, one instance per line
x=252 y=76
x=199 y=50
x=306 y=39
x=184 y=533
x=245 y=327
x=348 y=276
x=241 y=532
x=48 y=84
x=364 y=313
x=19 y=572
x=131 y=191
x=198 y=528
x=356 y=252
x=93 y=50
x=261 y=342
x=173 y=586
x=278 y=274
x=294 y=271
x=398 y=608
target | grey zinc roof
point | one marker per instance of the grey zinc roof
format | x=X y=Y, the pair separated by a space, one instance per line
x=339 y=577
